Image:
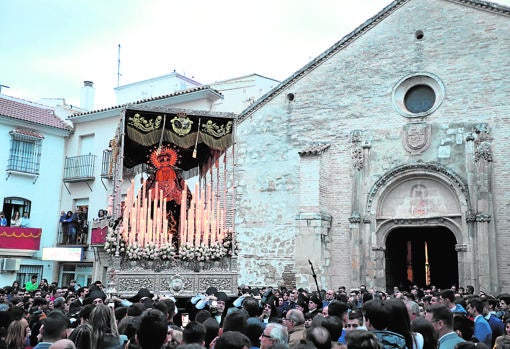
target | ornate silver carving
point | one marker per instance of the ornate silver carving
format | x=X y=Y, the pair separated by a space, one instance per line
x=219 y=283
x=133 y=284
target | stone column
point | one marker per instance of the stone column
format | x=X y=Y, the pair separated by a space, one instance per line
x=359 y=154
x=485 y=241
x=469 y=256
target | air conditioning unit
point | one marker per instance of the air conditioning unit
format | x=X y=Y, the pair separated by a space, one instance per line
x=11 y=264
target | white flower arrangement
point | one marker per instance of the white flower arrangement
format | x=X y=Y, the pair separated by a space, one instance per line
x=166 y=251
x=202 y=252
x=150 y=251
x=134 y=252
x=110 y=245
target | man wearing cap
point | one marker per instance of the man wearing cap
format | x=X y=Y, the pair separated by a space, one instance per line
x=59 y=304
x=95 y=296
x=314 y=306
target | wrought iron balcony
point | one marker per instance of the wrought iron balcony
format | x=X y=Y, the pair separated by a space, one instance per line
x=79 y=168
x=107 y=164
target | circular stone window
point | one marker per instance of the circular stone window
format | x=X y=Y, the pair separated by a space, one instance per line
x=418 y=95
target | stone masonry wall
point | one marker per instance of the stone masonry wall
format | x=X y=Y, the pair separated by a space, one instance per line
x=466 y=48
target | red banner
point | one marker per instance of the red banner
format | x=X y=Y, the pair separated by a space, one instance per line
x=20 y=238
x=98 y=236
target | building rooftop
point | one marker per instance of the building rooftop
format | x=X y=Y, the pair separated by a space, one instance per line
x=20 y=109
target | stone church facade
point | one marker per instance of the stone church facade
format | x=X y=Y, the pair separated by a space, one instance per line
x=383 y=161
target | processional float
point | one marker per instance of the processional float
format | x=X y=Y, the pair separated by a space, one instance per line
x=172 y=205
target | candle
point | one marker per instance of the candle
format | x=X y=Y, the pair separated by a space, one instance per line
x=191 y=222
x=182 y=218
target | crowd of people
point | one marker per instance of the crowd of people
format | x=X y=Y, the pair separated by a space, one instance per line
x=74 y=225
x=41 y=315
x=17 y=220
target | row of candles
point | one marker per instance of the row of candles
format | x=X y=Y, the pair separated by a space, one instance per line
x=145 y=219
x=203 y=223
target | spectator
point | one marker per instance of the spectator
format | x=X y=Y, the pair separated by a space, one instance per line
x=52 y=329
x=3 y=220
x=63 y=344
x=105 y=333
x=320 y=337
x=502 y=342
x=16 y=334
x=152 y=331
x=421 y=325
x=377 y=319
x=68 y=234
x=273 y=334
x=355 y=321
x=360 y=339
x=441 y=319
x=232 y=340
x=16 y=219
x=447 y=297
x=211 y=330
x=400 y=323
x=471 y=345
x=82 y=336
x=482 y=330
x=194 y=332
x=253 y=332
x=235 y=321
x=295 y=323
x=497 y=326
x=32 y=285
x=25 y=220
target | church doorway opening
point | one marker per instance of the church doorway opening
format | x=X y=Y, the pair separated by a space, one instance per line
x=422 y=256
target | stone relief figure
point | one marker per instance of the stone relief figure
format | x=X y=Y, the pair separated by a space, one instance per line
x=419 y=200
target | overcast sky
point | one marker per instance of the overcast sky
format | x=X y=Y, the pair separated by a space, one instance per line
x=49 y=47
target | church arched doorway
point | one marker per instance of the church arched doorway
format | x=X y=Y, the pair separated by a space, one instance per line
x=421 y=255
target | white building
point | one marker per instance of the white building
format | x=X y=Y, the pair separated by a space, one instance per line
x=71 y=166
x=33 y=143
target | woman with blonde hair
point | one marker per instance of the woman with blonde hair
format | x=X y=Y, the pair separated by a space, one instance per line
x=16 y=335
x=502 y=342
x=82 y=336
x=105 y=333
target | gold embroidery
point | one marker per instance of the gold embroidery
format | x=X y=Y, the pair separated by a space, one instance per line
x=217 y=131
x=143 y=124
x=181 y=124
x=21 y=235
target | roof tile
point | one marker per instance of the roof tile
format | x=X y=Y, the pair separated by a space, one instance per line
x=31 y=112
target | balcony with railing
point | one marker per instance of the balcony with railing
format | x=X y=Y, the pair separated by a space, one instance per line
x=79 y=168
x=79 y=237
x=107 y=164
x=17 y=241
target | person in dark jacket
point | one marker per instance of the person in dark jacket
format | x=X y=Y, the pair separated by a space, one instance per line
x=377 y=317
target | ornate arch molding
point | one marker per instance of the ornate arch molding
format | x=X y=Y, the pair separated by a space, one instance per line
x=431 y=169
x=451 y=223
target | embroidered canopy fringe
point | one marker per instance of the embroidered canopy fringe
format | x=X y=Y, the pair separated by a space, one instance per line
x=153 y=137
